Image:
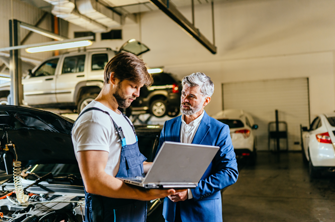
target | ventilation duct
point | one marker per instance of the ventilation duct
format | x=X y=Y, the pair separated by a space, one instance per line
x=96 y=11
x=66 y=10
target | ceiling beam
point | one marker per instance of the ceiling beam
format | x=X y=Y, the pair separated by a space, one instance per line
x=170 y=10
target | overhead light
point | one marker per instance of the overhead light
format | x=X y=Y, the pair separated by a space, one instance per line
x=60 y=46
x=4 y=76
x=56 y=45
x=155 y=70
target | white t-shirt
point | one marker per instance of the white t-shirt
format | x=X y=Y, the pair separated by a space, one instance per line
x=94 y=130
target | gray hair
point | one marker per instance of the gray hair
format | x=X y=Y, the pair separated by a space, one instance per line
x=200 y=79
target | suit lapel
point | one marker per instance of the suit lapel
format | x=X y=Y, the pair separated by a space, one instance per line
x=176 y=129
x=203 y=129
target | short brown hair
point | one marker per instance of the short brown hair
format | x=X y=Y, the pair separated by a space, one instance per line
x=128 y=66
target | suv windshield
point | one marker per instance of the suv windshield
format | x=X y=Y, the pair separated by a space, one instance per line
x=163 y=79
x=232 y=123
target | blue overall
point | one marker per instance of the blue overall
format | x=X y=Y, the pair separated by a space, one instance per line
x=104 y=209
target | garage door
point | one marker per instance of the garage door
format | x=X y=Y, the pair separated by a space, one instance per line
x=261 y=99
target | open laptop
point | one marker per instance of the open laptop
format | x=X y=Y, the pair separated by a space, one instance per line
x=177 y=165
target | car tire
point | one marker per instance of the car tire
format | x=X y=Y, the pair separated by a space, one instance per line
x=312 y=171
x=253 y=156
x=173 y=112
x=3 y=101
x=85 y=100
x=158 y=108
x=304 y=158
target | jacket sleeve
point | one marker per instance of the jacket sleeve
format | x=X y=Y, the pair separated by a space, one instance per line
x=224 y=170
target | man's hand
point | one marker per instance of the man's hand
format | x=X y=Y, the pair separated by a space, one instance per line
x=178 y=196
x=152 y=194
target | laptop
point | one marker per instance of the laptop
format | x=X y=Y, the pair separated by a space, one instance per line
x=177 y=165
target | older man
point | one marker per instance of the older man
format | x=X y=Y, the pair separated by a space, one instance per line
x=202 y=203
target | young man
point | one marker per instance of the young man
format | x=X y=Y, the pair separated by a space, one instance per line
x=106 y=146
x=202 y=203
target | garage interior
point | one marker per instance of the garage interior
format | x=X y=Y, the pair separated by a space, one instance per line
x=262 y=55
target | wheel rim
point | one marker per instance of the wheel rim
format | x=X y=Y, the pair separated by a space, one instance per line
x=158 y=109
x=3 y=102
x=85 y=103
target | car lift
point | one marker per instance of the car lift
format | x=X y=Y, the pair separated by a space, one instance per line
x=135 y=117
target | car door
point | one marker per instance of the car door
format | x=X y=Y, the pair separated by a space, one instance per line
x=72 y=71
x=39 y=86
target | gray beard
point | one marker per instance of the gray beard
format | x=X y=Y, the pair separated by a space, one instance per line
x=189 y=112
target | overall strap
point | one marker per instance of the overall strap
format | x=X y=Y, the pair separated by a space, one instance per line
x=132 y=126
x=118 y=129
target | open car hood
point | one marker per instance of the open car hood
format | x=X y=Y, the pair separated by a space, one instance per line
x=38 y=136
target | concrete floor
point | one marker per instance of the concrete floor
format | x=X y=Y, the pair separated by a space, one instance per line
x=277 y=188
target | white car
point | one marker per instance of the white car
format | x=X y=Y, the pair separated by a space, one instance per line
x=241 y=125
x=318 y=143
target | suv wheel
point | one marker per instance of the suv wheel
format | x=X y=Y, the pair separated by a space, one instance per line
x=158 y=108
x=3 y=101
x=312 y=171
x=173 y=112
x=85 y=100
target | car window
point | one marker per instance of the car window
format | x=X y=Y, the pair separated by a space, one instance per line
x=232 y=123
x=247 y=122
x=315 y=123
x=163 y=79
x=73 y=64
x=48 y=68
x=331 y=121
x=99 y=61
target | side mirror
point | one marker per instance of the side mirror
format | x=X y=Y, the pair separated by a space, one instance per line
x=30 y=72
x=255 y=126
x=304 y=128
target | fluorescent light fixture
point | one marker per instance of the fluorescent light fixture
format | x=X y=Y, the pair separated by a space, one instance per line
x=5 y=75
x=60 y=46
x=49 y=43
x=152 y=126
x=155 y=70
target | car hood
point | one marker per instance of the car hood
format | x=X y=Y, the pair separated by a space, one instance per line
x=38 y=136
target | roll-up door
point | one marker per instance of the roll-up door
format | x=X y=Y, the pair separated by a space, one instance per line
x=261 y=99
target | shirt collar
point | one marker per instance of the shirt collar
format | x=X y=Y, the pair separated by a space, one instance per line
x=194 y=122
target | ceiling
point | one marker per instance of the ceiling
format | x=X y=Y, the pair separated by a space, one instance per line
x=104 y=15
x=125 y=6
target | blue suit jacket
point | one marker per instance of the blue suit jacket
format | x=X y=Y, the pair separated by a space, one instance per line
x=222 y=172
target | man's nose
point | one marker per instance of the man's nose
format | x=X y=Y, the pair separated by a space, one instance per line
x=184 y=99
x=137 y=93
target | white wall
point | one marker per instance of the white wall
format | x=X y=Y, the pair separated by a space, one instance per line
x=255 y=40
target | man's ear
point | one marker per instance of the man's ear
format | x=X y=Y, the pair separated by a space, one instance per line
x=112 y=78
x=207 y=100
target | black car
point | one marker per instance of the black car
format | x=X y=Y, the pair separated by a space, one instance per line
x=161 y=98
x=44 y=183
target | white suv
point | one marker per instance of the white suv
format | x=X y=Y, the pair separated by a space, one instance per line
x=70 y=80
